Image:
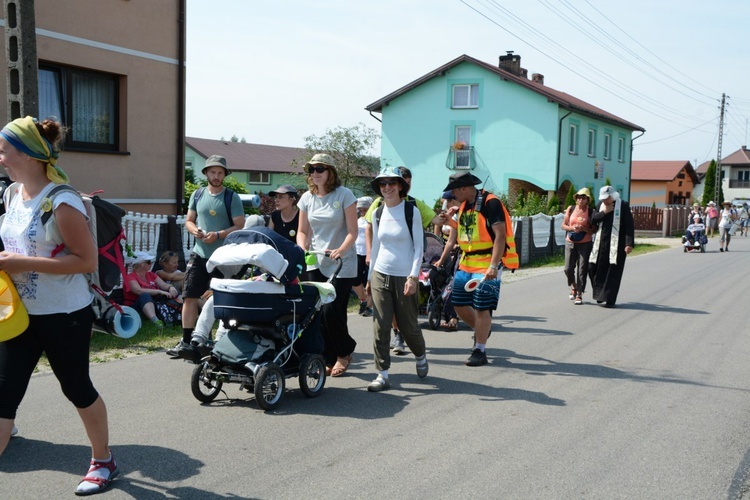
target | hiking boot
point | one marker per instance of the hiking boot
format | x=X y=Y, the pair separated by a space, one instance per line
x=379 y=384
x=397 y=344
x=172 y=353
x=422 y=366
x=477 y=358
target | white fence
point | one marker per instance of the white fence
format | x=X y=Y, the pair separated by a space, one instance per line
x=142 y=232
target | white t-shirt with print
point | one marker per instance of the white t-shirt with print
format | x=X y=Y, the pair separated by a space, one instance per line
x=328 y=225
x=23 y=233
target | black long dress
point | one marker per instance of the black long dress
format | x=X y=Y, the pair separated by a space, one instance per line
x=606 y=277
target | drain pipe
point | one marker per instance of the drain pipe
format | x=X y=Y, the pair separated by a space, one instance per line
x=630 y=167
x=559 y=146
x=181 y=44
x=378 y=119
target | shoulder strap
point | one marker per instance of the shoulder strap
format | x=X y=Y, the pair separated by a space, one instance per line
x=228 y=194
x=408 y=214
x=51 y=195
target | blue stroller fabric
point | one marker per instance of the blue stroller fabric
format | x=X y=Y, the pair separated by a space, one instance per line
x=291 y=252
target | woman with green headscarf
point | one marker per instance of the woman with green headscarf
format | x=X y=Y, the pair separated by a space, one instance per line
x=52 y=287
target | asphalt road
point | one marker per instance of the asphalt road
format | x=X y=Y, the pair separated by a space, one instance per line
x=647 y=401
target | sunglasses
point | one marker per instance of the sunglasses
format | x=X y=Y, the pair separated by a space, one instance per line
x=316 y=168
x=391 y=182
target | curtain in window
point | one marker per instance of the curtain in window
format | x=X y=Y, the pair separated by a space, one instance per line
x=50 y=95
x=93 y=109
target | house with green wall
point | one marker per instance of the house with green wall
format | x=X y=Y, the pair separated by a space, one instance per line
x=514 y=133
x=260 y=167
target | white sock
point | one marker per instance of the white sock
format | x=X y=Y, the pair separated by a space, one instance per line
x=480 y=347
x=421 y=360
x=383 y=374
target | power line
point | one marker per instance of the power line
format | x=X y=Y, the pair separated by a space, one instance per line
x=712 y=120
x=715 y=92
x=535 y=33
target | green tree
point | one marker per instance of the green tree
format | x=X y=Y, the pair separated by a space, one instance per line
x=351 y=149
x=709 y=184
x=189 y=175
x=570 y=198
x=191 y=186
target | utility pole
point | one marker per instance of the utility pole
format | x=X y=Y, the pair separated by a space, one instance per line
x=22 y=85
x=718 y=153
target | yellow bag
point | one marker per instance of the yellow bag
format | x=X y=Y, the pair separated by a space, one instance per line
x=14 y=320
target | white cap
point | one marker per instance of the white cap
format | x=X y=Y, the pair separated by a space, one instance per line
x=254 y=220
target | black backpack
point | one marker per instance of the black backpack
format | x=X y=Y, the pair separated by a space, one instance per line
x=411 y=206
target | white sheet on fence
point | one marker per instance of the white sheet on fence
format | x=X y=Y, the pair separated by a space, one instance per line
x=230 y=258
x=540 y=224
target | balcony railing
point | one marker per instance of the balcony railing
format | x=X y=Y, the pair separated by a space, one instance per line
x=460 y=159
x=736 y=183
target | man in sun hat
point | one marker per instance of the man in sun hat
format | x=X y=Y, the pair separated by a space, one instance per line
x=213 y=213
x=428 y=217
x=485 y=236
x=614 y=241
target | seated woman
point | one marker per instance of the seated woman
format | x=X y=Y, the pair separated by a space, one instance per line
x=144 y=287
x=695 y=232
x=170 y=272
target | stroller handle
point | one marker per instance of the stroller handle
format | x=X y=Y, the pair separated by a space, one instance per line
x=327 y=253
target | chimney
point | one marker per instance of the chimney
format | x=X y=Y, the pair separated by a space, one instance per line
x=537 y=78
x=512 y=64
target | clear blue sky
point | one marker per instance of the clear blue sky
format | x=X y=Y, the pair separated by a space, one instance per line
x=276 y=72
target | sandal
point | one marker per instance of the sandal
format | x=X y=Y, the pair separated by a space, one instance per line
x=99 y=477
x=579 y=300
x=450 y=325
x=342 y=364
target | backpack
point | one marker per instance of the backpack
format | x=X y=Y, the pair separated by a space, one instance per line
x=105 y=224
x=228 y=194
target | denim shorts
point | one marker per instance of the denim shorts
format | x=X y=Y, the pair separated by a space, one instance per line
x=483 y=298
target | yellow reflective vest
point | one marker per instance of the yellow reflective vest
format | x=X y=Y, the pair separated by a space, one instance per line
x=476 y=240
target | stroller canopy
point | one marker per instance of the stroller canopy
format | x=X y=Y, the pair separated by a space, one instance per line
x=262 y=247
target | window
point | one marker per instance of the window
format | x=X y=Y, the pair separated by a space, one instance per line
x=607 y=146
x=259 y=178
x=592 y=142
x=465 y=96
x=573 y=139
x=463 y=156
x=85 y=101
x=621 y=149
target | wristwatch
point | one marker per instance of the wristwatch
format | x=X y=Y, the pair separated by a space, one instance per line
x=494 y=266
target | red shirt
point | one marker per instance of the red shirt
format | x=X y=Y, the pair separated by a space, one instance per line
x=149 y=283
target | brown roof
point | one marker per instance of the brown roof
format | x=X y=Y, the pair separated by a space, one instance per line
x=561 y=98
x=739 y=157
x=661 y=170
x=245 y=156
x=703 y=167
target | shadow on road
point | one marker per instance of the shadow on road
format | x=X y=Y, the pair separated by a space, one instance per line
x=162 y=465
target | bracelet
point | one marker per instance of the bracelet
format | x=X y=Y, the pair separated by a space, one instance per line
x=494 y=266
x=411 y=278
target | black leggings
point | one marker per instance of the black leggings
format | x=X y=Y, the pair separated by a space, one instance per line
x=65 y=339
x=338 y=342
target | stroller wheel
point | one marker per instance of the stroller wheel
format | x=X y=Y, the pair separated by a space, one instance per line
x=269 y=386
x=312 y=375
x=204 y=387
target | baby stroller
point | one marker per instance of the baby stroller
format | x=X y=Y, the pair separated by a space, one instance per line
x=433 y=281
x=271 y=321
